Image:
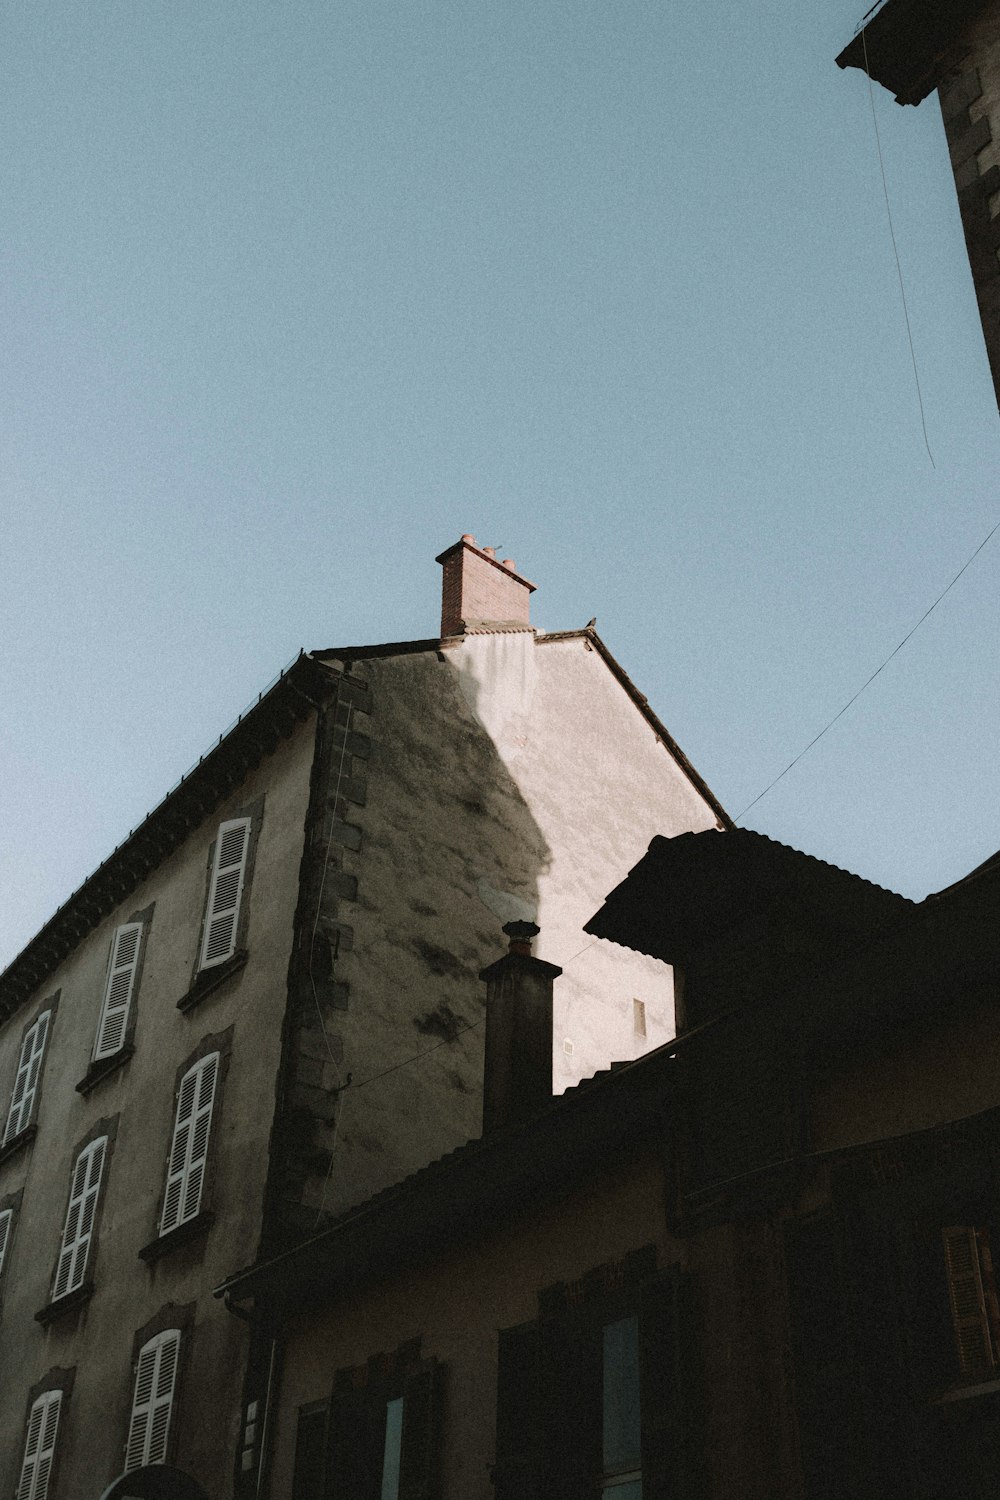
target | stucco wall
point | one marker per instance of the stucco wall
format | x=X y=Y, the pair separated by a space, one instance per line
x=506 y=777
x=98 y=1339
x=457 y=1306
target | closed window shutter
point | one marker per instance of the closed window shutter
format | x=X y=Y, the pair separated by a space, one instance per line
x=967 y=1295
x=26 y=1081
x=189 y=1148
x=40 y=1447
x=420 y=1449
x=6 y=1228
x=85 y=1185
x=225 y=893
x=152 y=1405
x=122 y=966
x=517 y=1472
x=355 y=1437
x=662 y=1374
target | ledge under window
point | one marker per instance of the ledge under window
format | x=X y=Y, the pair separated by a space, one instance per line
x=184 y=1234
x=969 y=1392
x=63 y=1306
x=209 y=979
x=18 y=1142
x=98 y=1071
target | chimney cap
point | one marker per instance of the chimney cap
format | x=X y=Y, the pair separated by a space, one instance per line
x=520 y=935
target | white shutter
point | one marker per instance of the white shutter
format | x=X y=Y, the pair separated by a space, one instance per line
x=118 y=988
x=225 y=893
x=39 y=1447
x=153 y=1402
x=26 y=1081
x=85 y=1185
x=6 y=1227
x=189 y=1148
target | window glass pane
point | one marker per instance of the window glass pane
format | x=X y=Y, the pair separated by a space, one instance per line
x=393 y=1446
x=621 y=1400
x=630 y=1490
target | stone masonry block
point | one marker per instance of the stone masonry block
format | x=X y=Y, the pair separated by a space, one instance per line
x=348 y=834
x=958 y=93
x=970 y=141
x=967 y=176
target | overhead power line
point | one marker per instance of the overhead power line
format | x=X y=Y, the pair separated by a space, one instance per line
x=909 y=634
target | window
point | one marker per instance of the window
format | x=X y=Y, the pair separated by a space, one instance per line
x=972 y=1296
x=620 y=1425
x=587 y=1397
x=225 y=893
x=189 y=1147
x=39 y=1447
x=29 y=1067
x=123 y=966
x=152 y=1404
x=639 y=1018
x=85 y=1186
x=382 y=1433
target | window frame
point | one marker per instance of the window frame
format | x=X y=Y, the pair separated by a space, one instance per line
x=24 y=1109
x=201 y=1113
x=167 y=1338
x=85 y=1198
x=233 y=913
x=28 y=1486
x=103 y=1053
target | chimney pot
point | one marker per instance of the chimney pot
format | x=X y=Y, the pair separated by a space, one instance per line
x=518 y=1060
x=468 y=537
x=508 y=562
x=490 y=551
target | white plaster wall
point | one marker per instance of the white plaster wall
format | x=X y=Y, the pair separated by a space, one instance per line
x=508 y=777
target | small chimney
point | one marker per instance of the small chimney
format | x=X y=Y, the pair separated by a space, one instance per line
x=518 y=1068
x=478 y=590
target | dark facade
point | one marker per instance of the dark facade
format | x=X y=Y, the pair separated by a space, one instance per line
x=755 y=1262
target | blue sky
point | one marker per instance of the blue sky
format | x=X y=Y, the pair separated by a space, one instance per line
x=295 y=294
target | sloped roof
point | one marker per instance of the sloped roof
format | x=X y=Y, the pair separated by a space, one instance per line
x=907 y=44
x=254 y=735
x=471 y=1190
x=688 y=889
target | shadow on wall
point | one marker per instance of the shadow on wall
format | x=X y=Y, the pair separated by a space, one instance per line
x=449 y=852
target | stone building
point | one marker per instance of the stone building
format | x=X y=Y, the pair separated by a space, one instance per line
x=913 y=47
x=262 y=1007
x=757 y=1261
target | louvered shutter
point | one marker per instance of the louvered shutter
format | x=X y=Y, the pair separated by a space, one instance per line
x=122 y=966
x=85 y=1185
x=968 y=1301
x=6 y=1227
x=152 y=1405
x=39 y=1447
x=517 y=1473
x=420 y=1449
x=570 y=1394
x=225 y=893
x=189 y=1149
x=661 y=1384
x=355 y=1436
x=26 y=1081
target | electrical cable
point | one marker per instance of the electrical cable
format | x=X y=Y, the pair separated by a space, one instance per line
x=892 y=236
x=872 y=678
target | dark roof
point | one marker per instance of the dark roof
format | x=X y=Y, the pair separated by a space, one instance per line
x=471 y=1190
x=909 y=44
x=687 y=890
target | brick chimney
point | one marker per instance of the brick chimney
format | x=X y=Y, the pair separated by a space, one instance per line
x=518 y=1068
x=476 y=589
